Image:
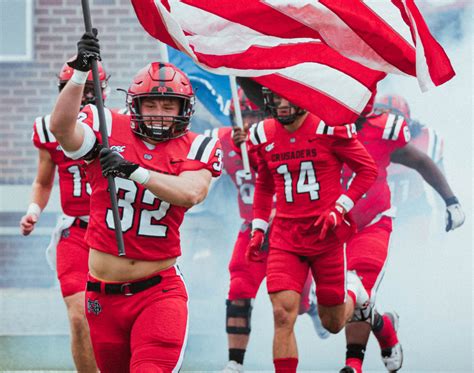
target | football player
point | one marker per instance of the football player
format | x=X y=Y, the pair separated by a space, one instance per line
x=411 y=197
x=67 y=253
x=300 y=160
x=386 y=136
x=246 y=276
x=136 y=304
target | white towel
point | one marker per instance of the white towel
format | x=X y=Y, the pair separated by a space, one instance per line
x=64 y=222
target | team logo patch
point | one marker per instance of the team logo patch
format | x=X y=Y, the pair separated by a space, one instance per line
x=147 y=156
x=94 y=307
x=118 y=148
x=65 y=233
x=292 y=140
x=232 y=153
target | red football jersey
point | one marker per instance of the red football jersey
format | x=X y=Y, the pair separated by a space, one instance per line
x=233 y=166
x=73 y=187
x=303 y=168
x=381 y=135
x=407 y=186
x=150 y=226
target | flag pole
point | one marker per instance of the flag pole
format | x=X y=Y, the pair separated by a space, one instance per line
x=103 y=132
x=240 y=124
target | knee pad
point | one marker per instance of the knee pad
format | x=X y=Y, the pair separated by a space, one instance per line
x=242 y=312
x=363 y=314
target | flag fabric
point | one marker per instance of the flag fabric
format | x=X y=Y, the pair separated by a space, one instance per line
x=326 y=56
x=212 y=90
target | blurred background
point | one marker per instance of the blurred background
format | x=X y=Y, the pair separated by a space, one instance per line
x=429 y=275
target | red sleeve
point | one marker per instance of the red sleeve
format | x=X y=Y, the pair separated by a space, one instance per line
x=35 y=136
x=214 y=165
x=204 y=152
x=354 y=154
x=264 y=191
x=89 y=116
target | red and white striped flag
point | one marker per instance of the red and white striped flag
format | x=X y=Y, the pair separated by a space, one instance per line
x=325 y=56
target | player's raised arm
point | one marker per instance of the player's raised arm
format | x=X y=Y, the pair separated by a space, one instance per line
x=71 y=134
x=413 y=158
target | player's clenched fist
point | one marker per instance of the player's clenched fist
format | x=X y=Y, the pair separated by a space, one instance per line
x=87 y=49
x=27 y=224
x=255 y=252
x=329 y=220
x=239 y=136
x=113 y=164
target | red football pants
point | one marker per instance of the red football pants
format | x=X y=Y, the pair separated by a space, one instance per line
x=142 y=333
x=72 y=256
x=245 y=276
x=367 y=253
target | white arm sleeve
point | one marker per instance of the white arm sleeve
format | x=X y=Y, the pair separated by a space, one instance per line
x=87 y=144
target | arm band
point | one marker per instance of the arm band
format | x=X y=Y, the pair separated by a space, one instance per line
x=79 y=77
x=87 y=144
x=140 y=175
x=345 y=202
x=451 y=201
x=34 y=209
x=260 y=224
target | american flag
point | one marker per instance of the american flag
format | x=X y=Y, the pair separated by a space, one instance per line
x=326 y=56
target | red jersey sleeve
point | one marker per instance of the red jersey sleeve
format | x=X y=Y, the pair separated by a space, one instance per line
x=42 y=136
x=207 y=151
x=396 y=131
x=264 y=191
x=354 y=154
x=89 y=115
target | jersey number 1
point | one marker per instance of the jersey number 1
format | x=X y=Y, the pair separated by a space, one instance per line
x=306 y=181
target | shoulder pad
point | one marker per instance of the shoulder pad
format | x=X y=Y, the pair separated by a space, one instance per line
x=214 y=133
x=201 y=148
x=95 y=118
x=393 y=126
x=257 y=133
x=346 y=131
x=42 y=129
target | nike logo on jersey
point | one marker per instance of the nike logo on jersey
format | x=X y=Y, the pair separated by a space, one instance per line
x=118 y=148
x=270 y=147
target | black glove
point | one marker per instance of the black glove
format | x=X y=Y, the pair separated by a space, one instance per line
x=113 y=164
x=88 y=48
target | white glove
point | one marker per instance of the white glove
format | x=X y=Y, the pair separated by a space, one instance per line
x=454 y=214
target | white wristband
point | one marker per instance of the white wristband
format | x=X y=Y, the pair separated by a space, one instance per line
x=140 y=175
x=34 y=209
x=345 y=202
x=259 y=224
x=79 y=77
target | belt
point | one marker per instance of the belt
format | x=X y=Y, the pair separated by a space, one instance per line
x=79 y=223
x=126 y=288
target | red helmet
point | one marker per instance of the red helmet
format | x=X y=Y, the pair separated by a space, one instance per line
x=248 y=108
x=160 y=80
x=66 y=74
x=393 y=103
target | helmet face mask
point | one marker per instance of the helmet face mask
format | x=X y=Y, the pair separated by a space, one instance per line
x=286 y=115
x=166 y=83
